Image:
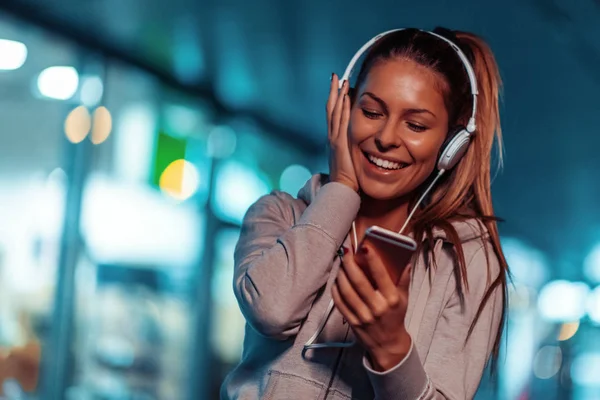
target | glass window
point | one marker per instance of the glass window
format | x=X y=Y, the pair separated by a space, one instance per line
x=142 y=222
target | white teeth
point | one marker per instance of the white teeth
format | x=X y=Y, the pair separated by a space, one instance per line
x=385 y=163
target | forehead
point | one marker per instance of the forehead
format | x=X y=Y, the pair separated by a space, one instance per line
x=407 y=81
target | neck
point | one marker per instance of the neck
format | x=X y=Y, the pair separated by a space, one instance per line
x=388 y=214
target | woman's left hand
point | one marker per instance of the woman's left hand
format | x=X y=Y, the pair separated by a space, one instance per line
x=376 y=314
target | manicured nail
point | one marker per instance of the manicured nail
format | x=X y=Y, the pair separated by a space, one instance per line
x=345 y=250
x=332 y=76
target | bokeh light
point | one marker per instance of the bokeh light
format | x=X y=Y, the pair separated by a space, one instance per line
x=568 y=330
x=78 y=124
x=593 y=305
x=180 y=180
x=547 y=362
x=58 y=82
x=221 y=142
x=183 y=120
x=585 y=370
x=12 y=54
x=238 y=187
x=101 y=125
x=92 y=89
x=563 y=301
x=293 y=178
x=591 y=265
x=528 y=265
x=134 y=124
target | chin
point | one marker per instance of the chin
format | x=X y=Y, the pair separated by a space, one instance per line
x=382 y=191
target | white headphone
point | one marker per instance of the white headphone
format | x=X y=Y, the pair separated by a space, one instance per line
x=458 y=141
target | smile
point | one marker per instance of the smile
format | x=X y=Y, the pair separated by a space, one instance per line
x=383 y=163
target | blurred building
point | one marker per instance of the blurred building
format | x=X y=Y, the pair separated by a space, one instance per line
x=135 y=135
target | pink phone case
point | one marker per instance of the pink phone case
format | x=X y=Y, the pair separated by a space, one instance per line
x=394 y=250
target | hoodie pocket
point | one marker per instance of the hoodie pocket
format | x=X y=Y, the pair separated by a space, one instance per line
x=281 y=386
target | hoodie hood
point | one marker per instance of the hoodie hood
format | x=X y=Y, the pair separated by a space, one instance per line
x=467 y=230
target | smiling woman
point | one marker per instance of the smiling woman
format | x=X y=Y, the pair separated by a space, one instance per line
x=327 y=319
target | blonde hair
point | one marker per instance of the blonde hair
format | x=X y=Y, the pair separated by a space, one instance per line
x=467 y=191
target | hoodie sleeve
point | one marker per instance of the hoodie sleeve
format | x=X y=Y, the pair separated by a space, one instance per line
x=280 y=266
x=453 y=368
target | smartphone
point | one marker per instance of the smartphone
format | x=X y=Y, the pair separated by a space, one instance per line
x=395 y=250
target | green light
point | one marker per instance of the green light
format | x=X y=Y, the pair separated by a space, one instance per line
x=168 y=149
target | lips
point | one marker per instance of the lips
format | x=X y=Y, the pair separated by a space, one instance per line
x=383 y=163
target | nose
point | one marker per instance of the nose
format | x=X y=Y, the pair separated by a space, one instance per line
x=388 y=138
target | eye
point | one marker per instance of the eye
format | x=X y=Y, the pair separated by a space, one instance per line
x=416 y=127
x=371 y=114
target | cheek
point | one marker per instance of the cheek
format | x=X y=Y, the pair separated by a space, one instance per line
x=360 y=128
x=355 y=131
x=425 y=148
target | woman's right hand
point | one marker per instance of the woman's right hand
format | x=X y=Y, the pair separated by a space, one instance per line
x=341 y=168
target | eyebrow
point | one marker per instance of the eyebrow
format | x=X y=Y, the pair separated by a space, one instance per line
x=406 y=111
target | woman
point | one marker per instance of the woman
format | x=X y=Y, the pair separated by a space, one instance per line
x=386 y=136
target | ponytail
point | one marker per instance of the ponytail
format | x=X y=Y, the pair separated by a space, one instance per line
x=489 y=84
x=488 y=133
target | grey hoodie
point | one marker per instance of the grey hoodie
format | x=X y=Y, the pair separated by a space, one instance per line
x=285 y=264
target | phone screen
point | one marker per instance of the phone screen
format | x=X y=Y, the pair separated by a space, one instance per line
x=395 y=251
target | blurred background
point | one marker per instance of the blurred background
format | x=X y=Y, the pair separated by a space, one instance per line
x=135 y=134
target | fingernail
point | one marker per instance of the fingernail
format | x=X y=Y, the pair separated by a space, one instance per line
x=345 y=250
x=332 y=76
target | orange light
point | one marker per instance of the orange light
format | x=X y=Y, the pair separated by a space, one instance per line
x=180 y=180
x=78 y=124
x=102 y=125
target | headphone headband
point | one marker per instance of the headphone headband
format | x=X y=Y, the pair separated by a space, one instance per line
x=471 y=125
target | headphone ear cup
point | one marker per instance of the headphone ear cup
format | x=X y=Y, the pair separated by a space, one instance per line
x=454 y=148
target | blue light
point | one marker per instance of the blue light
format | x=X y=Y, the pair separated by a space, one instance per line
x=237 y=188
x=528 y=266
x=293 y=179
